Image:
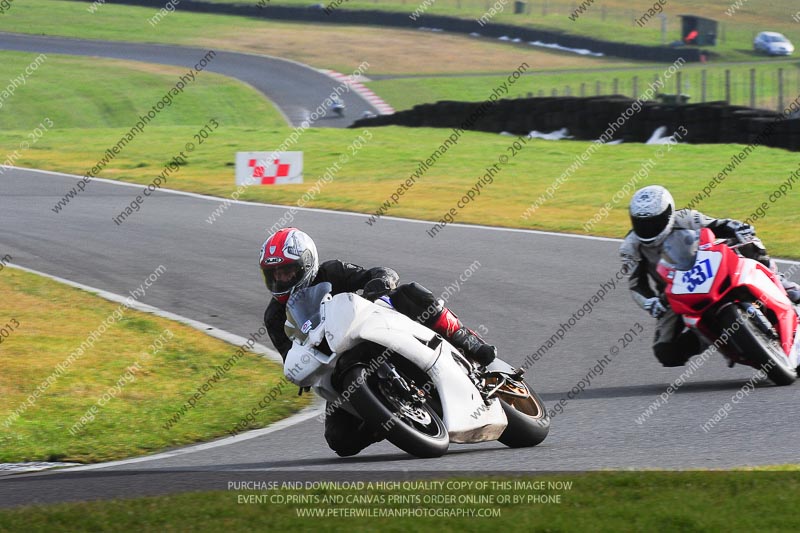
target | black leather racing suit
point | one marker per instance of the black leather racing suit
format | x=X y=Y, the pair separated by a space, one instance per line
x=343 y=277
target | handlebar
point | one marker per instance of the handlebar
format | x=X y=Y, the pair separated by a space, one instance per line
x=733 y=243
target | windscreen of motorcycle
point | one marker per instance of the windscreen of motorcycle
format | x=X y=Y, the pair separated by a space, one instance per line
x=680 y=249
x=303 y=311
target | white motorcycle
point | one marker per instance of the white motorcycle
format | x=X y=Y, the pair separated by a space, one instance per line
x=406 y=382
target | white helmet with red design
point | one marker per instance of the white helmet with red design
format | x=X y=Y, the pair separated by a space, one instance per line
x=289 y=262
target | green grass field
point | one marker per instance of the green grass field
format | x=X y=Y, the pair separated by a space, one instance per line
x=116 y=393
x=602 y=502
x=404 y=93
x=613 y=20
x=77 y=92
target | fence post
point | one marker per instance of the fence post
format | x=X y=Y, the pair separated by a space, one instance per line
x=752 y=87
x=780 y=90
x=679 y=85
x=635 y=87
x=583 y=89
x=597 y=88
x=728 y=86
x=554 y=92
x=703 y=85
x=616 y=86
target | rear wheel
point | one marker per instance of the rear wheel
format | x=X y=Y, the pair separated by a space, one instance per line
x=759 y=346
x=412 y=425
x=528 y=421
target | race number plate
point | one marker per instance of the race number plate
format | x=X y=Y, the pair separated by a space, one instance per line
x=700 y=278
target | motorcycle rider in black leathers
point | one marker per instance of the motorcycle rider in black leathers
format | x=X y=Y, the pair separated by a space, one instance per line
x=289 y=262
x=653 y=216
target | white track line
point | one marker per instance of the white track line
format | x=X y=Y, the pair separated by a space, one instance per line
x=10 y=469
x=348 y=213
x=309 y=412
x=316 y=409
x=329 y=211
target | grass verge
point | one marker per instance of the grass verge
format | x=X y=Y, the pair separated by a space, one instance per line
x=125 y=384
x=604 y=501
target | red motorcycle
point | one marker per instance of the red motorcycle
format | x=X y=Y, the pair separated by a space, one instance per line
x=734 y=303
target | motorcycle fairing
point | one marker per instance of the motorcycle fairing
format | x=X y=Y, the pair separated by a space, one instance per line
x=349 y=319
x=731 y=272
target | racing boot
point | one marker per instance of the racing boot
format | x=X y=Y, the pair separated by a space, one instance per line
x=449 y=326
x=792 y=289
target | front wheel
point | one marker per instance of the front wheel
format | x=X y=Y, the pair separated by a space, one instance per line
x=528 y=421
x=758 y=346
x=413 y=426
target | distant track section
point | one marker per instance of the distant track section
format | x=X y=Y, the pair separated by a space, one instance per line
x=296 y=89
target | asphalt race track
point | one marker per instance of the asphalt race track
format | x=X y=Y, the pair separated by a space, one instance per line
x=296 y=89
x=525 y=286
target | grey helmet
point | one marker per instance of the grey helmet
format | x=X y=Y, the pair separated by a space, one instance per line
x=652 y=213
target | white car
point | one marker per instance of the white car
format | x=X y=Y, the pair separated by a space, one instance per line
x=773 y=43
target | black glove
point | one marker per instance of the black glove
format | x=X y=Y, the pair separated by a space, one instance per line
x=745 y=233
x=375 y=288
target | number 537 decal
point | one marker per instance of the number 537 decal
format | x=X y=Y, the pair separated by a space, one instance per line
x=700 y=278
